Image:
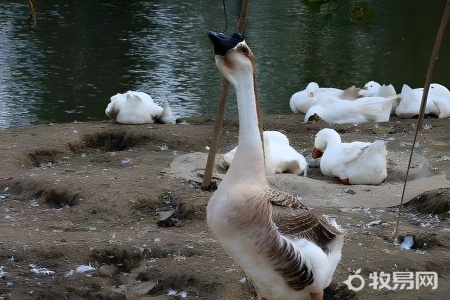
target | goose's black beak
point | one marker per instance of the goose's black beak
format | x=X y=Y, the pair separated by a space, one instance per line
x=222 y=42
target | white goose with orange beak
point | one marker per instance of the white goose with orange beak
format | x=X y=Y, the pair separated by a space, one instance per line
x=287 y=251
x=350 y=163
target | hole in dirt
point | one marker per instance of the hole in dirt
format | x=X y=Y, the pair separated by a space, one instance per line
x=42 y=192
x=171 y=210
x=181 y=282
x=123 y=259
x=169 y=214
x=109 y=141
x=44 y=158
x=338 y=291
x=430 y=202
x=126 y=260
x=420 y=242
x=199 y=185
x=59 y=199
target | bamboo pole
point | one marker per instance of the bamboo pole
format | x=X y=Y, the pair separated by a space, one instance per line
x=430 y=72
x=32 y=14
x=216 y=136
x=222 y=105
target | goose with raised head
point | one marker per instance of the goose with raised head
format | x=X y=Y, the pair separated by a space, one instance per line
x=374 y=89
x=138 y=108
x=301 y=101
x=280 y=156
x=438 y=101
x=350 y=163
x=287 y=251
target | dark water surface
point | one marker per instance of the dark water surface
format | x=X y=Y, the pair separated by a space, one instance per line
x=84 y=52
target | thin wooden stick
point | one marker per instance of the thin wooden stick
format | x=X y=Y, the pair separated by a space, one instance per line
x=434 y=58
x=243 y=16
x=216 y=135
x=221 y=113
x=32 y=14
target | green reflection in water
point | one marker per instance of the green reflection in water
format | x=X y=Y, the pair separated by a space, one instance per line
x=84 y=52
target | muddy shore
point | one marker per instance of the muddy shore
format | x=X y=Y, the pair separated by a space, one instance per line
x=124 y=203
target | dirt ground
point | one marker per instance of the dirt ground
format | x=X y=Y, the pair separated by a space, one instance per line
x=124 y=203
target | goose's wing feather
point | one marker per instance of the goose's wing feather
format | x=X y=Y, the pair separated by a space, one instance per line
x=294 y=219
x=354 y=150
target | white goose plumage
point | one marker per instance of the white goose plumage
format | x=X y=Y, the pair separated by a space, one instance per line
x=438 y=101
x=301 y=101
x=374 y=89
x=279 y=156
x=138 y=108
x=367 y=109
x=350 y=163
x=287 y=251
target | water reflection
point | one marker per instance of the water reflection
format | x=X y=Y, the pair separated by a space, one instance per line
x=84 y=52
x=16 y=77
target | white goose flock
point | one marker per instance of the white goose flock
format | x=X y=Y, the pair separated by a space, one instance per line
x=287 y=251
x=372 y=103
x=337 y=107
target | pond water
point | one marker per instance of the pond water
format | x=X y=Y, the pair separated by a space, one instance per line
x=84 y=52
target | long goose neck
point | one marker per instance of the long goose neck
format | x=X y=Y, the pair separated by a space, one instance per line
x=248 y=163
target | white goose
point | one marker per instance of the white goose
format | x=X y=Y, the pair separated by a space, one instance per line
x=138 y=108
x=438 y=101
x=336 y=111
x=285 y=249
x=279 y=156
x=350 y=163
x=374 y=89
x=303 y=100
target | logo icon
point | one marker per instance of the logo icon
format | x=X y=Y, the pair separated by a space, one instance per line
x=356 y=276
x=398 y=280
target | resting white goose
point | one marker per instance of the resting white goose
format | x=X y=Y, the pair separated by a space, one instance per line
x=303 y=100
x=138 y=108
x=279 y=156
x=374 y=89
x=287 y=251
x=336 y=111
x=438 y=101
x=350 y=163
